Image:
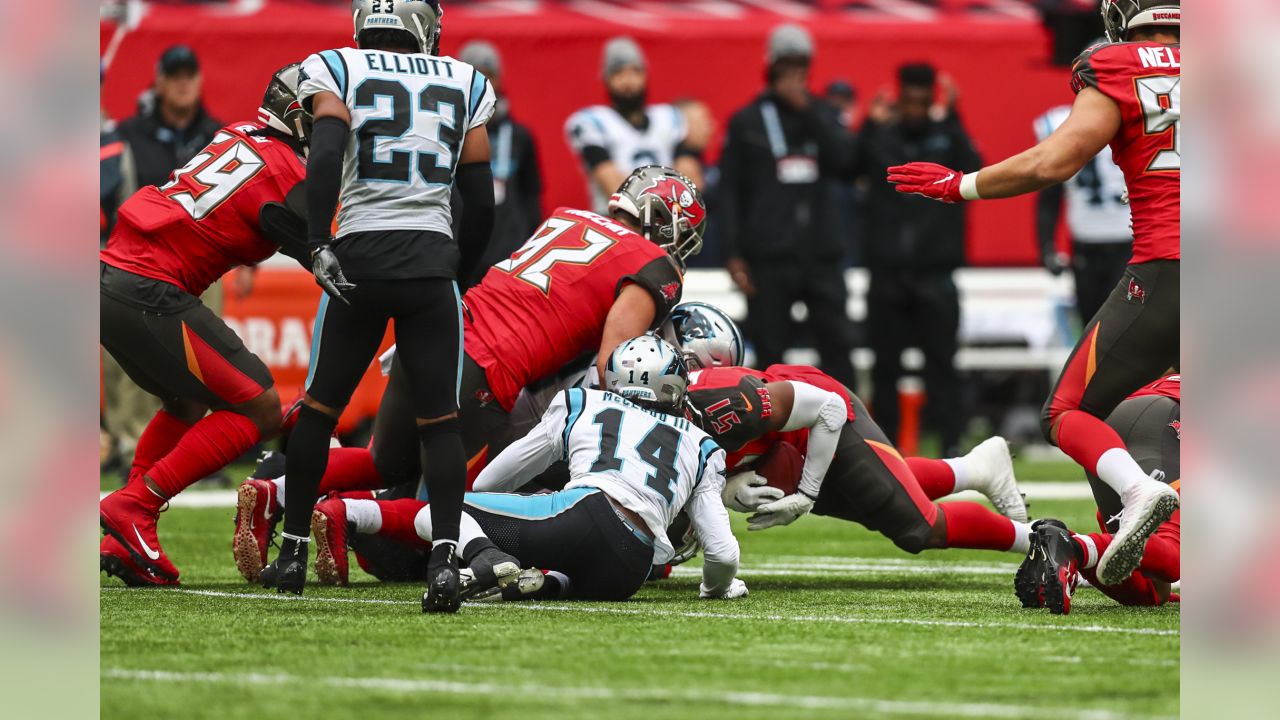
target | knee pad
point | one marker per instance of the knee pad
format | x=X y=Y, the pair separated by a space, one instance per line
x=434 y=430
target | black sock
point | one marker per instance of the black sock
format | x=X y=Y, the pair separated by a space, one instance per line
x=304 y=467
x=444 y=469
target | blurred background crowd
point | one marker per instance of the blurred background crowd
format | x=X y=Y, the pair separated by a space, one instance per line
x=949 y=320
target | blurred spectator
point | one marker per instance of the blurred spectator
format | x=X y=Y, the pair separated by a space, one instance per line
x=517 y=180
x=782 y=157
x=844 y=99
x=612 y=140
x=116 y=178
x=171 y=129
x=913 y=246
x=1097 y=217
x=849 y=197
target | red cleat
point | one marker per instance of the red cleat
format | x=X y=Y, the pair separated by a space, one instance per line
x=133 y=524
x=114 y=560
x=257 y=513
x=329 y=531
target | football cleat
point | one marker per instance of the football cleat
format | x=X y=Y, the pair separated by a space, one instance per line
x=1028 y=581
x=525 y=585
x=329 y=528
x=488 y=574
x=1058 y=562
x=124 y=517
x=287 y=573
x=114 y=559
x=991 y=467
x=257 y=513
x=269 y=466
x=1146 y=505
x=444 y=584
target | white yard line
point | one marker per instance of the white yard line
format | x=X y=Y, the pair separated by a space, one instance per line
x=551 y=693
x=585 y=608
x=1035 y=491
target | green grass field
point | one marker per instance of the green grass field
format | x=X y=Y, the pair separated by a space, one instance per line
x=839 y=624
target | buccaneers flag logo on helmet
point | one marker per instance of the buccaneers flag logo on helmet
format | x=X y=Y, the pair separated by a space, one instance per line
x=680 y=198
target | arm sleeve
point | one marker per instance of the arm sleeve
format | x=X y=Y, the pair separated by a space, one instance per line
x=483 y=101
x=475 y=185
x=285 y=224
x=324 y=71
x=587 y=139
x=824 y=414
x=526 y=458
x=324 y=177
x=661 y=279
x=710 y=522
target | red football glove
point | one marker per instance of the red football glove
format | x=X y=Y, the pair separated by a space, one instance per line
x=928 y=179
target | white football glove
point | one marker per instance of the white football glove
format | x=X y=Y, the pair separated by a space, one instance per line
x=780 y=512
x=747 y=491
x=737 y=589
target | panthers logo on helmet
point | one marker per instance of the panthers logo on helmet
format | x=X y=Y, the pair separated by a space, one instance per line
x=680 y=198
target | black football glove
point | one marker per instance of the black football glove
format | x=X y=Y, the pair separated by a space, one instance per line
x=324 y=265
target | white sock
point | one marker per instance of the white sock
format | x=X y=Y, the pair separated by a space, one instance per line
x=364 y=515
x=1021 y=537
x=1090 y=551
x=1119 y=470
x=422 y=523
x=469 y=530
x=279 y=483
x=960 y=469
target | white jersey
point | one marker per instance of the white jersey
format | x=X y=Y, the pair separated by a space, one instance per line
x=629 y=147
x=1096 y=206
x=650 y=463
x=410 y=113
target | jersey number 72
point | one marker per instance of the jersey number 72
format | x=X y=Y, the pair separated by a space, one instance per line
x=532 y=265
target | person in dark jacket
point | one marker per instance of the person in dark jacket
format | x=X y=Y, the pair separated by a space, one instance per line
x=172 y=124
x=783 y=155
x=912 y=249
x=517 y=179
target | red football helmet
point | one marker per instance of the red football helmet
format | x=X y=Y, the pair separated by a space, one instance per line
x=667 y=206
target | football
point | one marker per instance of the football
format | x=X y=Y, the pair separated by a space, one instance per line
x=781 y=466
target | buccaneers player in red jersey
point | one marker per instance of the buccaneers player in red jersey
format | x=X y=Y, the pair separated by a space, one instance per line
x=1127 y=95
x=582 y=284
x=851 y=470
x=223 y=209
x=1150 y=423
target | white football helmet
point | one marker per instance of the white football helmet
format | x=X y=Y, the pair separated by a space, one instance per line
x=706 y=333
x=648 y=370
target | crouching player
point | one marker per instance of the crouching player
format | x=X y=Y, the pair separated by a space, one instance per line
x=1149 y=423
x=634 y=464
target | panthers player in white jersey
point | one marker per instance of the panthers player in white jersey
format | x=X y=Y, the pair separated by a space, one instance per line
x=634 y=463
x=1097 y=217
x=396 y=127
x=612 y=140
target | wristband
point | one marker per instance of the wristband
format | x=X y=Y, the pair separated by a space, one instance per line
x=969 y=186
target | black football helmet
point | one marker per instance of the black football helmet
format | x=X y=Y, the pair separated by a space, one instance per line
x=281 y=110
x=1119 y=17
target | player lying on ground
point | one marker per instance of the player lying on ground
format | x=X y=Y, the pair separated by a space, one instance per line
x=222 y=209
x=634 y=463
x=1150 y=424
x=1128 y=95
x=850 y=470
x=582 y=284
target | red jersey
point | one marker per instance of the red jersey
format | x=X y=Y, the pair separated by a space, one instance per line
x=546 y=305
x=1169 y=386
x=193 y=229
x=1144 y=79
x=736 y=407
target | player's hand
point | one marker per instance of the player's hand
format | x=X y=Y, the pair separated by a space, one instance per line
x=931 y=180
x=324 y=265
x=1054 y=261
x=740 y=273
x=780 y=512
x=747 y=491
x=737 y=589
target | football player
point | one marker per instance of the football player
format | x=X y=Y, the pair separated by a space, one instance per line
x=582 y=284
x=397 y=128
x=635 y=463
x=1128 y=95
x=224 y=208
x=1149 y=421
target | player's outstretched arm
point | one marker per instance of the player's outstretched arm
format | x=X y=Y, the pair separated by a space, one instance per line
x=526 y=458
x=797 y=406
x=1093 y=122
x=710 y=522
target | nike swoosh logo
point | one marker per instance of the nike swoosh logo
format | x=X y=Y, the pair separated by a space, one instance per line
x=154 y=555
x=266 y=508
x=945 y=179
x=747 y=402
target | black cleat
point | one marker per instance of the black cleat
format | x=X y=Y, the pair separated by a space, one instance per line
x=1055 y=560
x=1028 y=582
x=492 y=572
x=444 y=584
x=270 y=466
x=287 y=573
